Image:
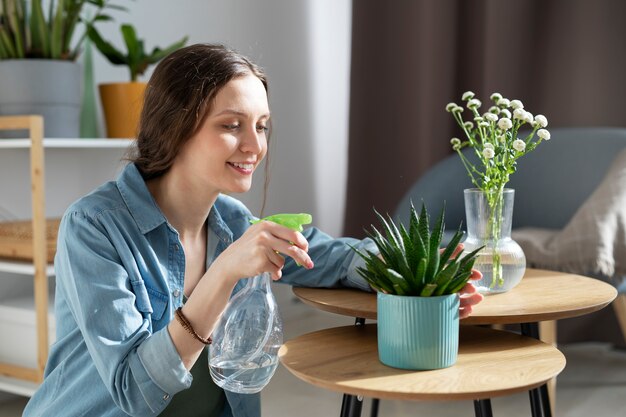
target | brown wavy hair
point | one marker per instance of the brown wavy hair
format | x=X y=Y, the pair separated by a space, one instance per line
x=178 y=98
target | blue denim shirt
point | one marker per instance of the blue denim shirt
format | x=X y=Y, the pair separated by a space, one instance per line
x=120 y=275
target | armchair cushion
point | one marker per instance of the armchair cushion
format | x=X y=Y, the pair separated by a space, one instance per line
x=594 y=240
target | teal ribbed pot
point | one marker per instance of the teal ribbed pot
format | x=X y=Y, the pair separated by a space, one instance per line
x=418 y=333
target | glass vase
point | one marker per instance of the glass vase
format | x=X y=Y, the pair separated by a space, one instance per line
x=489 y=218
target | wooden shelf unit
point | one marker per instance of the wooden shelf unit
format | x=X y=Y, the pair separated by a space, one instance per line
x=17 y=378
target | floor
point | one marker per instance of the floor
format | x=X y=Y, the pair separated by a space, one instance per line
x=592 y=384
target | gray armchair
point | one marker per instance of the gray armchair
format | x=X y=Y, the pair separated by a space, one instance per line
x=550 y=185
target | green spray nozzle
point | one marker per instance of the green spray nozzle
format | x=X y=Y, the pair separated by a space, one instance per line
x=292 y=221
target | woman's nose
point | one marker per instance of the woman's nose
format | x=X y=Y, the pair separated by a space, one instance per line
x=252 y=141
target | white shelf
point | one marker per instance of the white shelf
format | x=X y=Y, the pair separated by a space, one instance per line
x=51 y=143
x=17 y=386
x=25 y=268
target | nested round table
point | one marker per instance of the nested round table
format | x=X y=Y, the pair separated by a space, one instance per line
x=541 y=296
x=491 y=363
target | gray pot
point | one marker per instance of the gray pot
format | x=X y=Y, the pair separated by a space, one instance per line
x=51 y=88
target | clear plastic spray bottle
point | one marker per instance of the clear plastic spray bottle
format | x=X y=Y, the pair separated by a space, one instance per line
x=244 y=354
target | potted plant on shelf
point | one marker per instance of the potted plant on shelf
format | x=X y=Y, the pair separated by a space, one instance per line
x=417 y=285
x=122 y=102
x=38 y=51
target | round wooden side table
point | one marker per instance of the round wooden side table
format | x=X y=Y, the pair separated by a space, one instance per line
x=491 y=363
x=541 y=296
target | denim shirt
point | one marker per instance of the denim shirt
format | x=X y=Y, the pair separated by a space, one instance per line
x=120 y=271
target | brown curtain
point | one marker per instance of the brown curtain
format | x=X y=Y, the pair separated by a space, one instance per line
x=565 y=59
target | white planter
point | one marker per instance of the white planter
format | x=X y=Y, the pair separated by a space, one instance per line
x=51 y=88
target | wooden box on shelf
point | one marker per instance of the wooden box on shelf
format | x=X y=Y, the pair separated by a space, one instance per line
x=16 y=239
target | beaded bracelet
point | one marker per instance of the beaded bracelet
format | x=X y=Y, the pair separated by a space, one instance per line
x=187 y=326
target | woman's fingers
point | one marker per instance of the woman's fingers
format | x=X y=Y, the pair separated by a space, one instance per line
x=288 y=242
x=295 y=252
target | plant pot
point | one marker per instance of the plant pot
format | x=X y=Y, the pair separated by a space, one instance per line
x=418 y=333
x=489 y=218
x=50 y=88
x=122 y=103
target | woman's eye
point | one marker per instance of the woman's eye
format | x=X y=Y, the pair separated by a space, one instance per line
x=233 y=126
x=262 y=129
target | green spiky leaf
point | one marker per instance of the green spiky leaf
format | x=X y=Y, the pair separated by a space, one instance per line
x=409 y=261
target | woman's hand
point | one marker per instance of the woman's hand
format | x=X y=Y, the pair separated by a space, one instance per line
x=261 y=249
x=468 y=295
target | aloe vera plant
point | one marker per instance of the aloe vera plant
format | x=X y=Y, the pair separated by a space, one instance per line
x=28 y=31
x=410 y=262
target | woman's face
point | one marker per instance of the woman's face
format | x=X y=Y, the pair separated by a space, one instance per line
x=232 y=141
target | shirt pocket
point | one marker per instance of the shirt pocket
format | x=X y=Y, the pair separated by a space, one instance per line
x=149 y=301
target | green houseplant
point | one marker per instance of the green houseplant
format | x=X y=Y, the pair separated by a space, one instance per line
x=39 y=44
x=122 y=102
x=418 y=285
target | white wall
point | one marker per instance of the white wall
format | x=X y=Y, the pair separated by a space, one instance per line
x=304 y=46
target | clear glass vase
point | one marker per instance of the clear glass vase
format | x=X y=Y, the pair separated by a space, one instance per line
x=244 y=354
x=489 y=218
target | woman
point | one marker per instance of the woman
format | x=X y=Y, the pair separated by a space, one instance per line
x=146 y=264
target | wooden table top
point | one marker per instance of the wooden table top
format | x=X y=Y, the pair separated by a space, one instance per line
x=491 y=363
x=541 y=295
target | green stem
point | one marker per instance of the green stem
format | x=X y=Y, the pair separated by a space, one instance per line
x=496 y=203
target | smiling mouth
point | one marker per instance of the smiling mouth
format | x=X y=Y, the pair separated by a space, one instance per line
x=247 y=167
x=242 y=168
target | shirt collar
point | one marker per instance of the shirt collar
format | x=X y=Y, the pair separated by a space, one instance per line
x=138 y=199
x=147 y=213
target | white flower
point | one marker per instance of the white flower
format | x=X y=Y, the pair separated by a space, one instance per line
x=488 y=153
x=516 y=104
x=450 y=106
x=468 y=125
x=491 y=117
x=488 y=145
x=519 y=145
x=496 y=97
x=519 y=114
x=543 y=134
x=483 y=124
x=474 y=103
x=504 y=102
x=457 y=109
x=541 y=120
x=478 y=119
x=455 y=141
x=494 y=109
x=528 y=117
x=468 y=95
x=505 y=123
x=505 y=113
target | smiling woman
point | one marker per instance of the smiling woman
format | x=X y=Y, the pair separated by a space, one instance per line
x=158 y=253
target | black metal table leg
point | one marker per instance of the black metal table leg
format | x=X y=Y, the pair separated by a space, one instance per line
x=351 y=406
x=539 y=397
x=482 y=408
x=374 y=410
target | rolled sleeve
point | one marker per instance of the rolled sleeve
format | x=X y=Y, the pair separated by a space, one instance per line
x=159 y=370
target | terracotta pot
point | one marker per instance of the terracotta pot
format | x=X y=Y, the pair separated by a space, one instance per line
x=121 y=103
